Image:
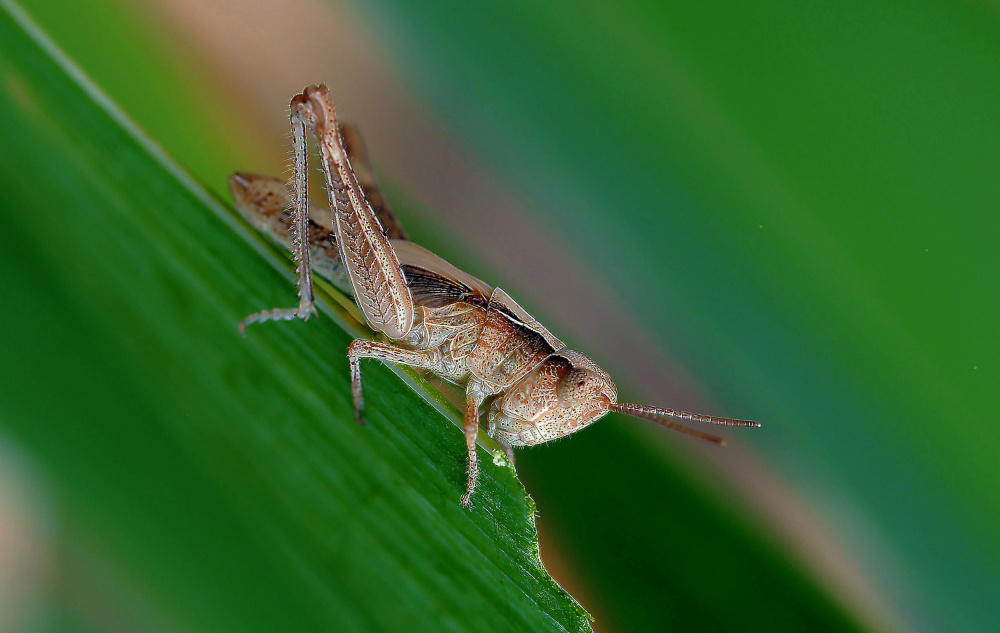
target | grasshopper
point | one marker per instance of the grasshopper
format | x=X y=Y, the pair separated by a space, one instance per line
x=436 y=316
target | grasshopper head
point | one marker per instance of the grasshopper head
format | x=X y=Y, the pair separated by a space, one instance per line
x=567 y=392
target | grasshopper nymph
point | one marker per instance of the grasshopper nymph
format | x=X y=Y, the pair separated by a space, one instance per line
x=437 y=317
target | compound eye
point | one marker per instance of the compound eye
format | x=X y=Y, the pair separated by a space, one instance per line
x=577 y=385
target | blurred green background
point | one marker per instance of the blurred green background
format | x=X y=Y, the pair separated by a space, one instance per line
x=777 y=211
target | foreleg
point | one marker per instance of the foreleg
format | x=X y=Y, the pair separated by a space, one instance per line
x=473 y=399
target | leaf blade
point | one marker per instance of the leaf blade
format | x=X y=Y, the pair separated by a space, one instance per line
x=151 y=264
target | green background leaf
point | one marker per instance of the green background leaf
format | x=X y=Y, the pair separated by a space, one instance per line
x=797 y=201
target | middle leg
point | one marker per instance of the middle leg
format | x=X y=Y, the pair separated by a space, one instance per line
x=363 y=348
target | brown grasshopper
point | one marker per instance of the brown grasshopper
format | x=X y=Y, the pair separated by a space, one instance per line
x=438 y=318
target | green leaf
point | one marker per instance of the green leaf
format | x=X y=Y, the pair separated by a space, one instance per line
x=221 y=479
x=799 y=202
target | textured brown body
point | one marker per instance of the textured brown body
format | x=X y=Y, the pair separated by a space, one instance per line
x=437 y=317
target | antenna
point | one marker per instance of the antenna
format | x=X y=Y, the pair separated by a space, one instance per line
x=658 y=415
